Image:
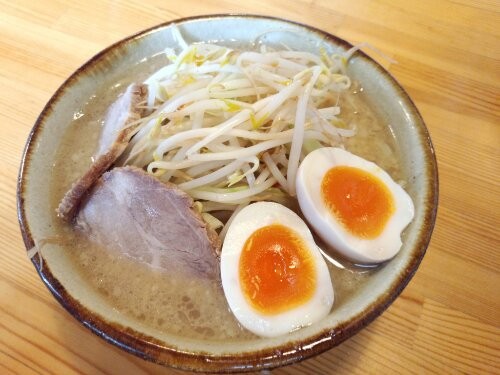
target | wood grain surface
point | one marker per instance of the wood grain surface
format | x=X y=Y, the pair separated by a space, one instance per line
x=448 y=51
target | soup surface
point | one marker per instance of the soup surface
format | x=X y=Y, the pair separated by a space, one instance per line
x=189 y=307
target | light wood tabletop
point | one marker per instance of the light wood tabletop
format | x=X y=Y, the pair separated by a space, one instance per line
x=447 y=320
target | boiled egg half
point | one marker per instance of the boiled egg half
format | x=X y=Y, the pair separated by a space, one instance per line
x=273 y=274
x=353 y=205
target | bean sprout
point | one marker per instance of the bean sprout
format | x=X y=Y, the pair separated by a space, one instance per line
x=228 y=126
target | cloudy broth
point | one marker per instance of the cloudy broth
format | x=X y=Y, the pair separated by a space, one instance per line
x=180 y=306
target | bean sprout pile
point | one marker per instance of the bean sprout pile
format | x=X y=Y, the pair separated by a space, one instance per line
x=230 y=127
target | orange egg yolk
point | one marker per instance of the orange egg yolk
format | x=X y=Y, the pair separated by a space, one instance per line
x=277 y=270
x=358 y=199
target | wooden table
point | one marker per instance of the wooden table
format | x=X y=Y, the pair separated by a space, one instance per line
x=446 y=321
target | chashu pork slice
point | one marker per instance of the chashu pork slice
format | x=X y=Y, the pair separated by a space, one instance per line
x=130 y=211
x=117 y=130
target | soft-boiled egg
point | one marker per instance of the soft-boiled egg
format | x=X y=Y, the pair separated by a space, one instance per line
x=353 y=205
x=273 y=274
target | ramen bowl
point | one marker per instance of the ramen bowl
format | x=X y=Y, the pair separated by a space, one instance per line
x=58 y=271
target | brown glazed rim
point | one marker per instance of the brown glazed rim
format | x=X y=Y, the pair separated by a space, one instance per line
x=156 y=351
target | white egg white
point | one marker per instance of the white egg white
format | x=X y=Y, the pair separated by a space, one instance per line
x=248 y=220
x=308 y=185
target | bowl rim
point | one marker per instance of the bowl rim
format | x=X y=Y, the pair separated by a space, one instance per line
x=154 y=350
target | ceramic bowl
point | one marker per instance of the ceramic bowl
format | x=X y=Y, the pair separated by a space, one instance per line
x=37 y=218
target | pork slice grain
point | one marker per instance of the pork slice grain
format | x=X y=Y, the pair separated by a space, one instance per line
x=154 y=223
x=116 y=133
